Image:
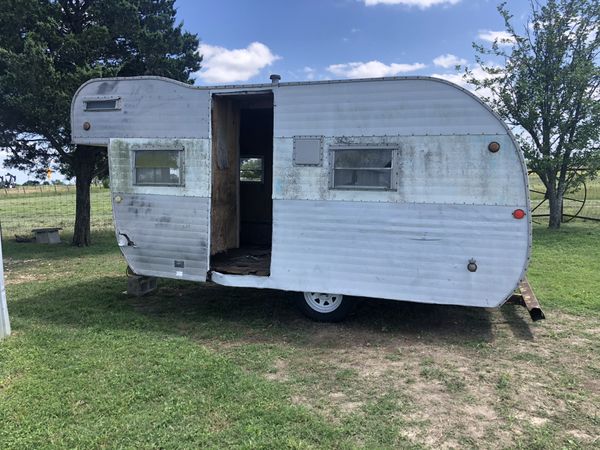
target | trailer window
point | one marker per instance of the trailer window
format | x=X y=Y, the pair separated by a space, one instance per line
x=361 y=168
x=102 y=103
x=158 y=167
x=252 y=169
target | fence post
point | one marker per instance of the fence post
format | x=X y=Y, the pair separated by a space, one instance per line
x=4 y=321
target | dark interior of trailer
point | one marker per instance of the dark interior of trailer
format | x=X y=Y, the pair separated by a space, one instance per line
x=242 y=180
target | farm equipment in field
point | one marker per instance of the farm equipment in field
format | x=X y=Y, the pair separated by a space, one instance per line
x=572 y=206
x=8 y=181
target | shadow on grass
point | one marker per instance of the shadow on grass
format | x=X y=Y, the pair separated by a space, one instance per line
x=206 y=312
x=103 y=243
x=518 y=325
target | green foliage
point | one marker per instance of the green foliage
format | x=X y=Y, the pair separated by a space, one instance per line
x=545 y=81
x=49 y=48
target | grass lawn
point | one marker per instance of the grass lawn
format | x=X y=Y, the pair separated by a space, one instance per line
x=24 y=208
x=197 y=366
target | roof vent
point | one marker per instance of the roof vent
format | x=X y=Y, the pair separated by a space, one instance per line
x=275 y=79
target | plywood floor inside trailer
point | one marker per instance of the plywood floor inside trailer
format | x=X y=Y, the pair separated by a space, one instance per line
x=247 y=260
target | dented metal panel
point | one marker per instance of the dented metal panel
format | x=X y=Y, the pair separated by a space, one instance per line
x=163 y=235
x=405 y=107
x=195 y=172
x=163 y=230
x=413 y=252
x=148 y=107
x=428 y=169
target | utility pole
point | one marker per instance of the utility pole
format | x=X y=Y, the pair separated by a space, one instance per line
x=4 y=322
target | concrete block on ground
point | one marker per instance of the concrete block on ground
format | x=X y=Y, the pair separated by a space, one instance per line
x=138 y=285
x=46 y=235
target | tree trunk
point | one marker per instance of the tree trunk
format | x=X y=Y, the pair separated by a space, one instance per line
x=555 y=201
x=84 y=165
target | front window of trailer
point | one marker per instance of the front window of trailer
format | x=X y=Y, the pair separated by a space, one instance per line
x=252 y=169
x=158 y=167
x=359 y=167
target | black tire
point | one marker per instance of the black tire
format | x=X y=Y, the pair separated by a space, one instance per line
x=344 y=307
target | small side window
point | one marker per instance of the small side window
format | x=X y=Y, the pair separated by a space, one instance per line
x=252 y=169
x=102 y=104
x=356 y=167
x=158 y=167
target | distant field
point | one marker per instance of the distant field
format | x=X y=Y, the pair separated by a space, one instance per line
x=572 y=202
x=24 y=208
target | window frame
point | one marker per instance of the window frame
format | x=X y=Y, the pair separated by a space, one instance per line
x=106 y=98
x=262 y=169
x=181 y=166
x=393 y=149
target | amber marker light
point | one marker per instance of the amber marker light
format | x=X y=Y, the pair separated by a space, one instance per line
x=518 y=213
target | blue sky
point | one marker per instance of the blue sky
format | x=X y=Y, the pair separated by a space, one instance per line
x=245 y=41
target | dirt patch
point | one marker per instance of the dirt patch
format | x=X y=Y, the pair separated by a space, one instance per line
x=492 y=391
x=441 y=377
x=14 y=279
x=278 y=372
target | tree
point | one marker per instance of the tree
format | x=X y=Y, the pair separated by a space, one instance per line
x=48 y=48
x=548 y=88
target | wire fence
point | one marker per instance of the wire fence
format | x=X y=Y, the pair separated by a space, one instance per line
x=581 y=204
x=24 y=208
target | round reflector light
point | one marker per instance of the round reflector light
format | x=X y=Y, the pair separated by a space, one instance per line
x=518 y=213
x=494 y=147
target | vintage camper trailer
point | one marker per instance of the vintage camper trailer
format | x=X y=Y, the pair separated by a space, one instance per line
x=397 y=188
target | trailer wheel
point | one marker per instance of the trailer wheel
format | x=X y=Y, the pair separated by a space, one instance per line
x=325 y=307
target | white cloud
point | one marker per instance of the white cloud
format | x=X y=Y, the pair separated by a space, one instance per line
x=457 y=78
x=449 y=60
x=503 y=37
x=422 y=4
x=309 y=73
x=372 y=69
x=222 y=65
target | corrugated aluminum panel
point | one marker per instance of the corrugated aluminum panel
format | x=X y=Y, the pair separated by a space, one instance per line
x=149 y=108
x=414 y=252
x=195 y=172
x=165 y=232
x=428 y=169
x=377 y=108
x=453 y=202
x=158 y=107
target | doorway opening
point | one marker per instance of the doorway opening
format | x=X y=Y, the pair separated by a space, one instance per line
x=242 y=180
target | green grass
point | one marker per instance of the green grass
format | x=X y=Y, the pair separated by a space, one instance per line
x=565 y=267
x=572 y=202
x=204 y=366
x=25 y=208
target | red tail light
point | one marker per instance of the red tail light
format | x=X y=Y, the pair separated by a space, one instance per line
x=518 y=213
